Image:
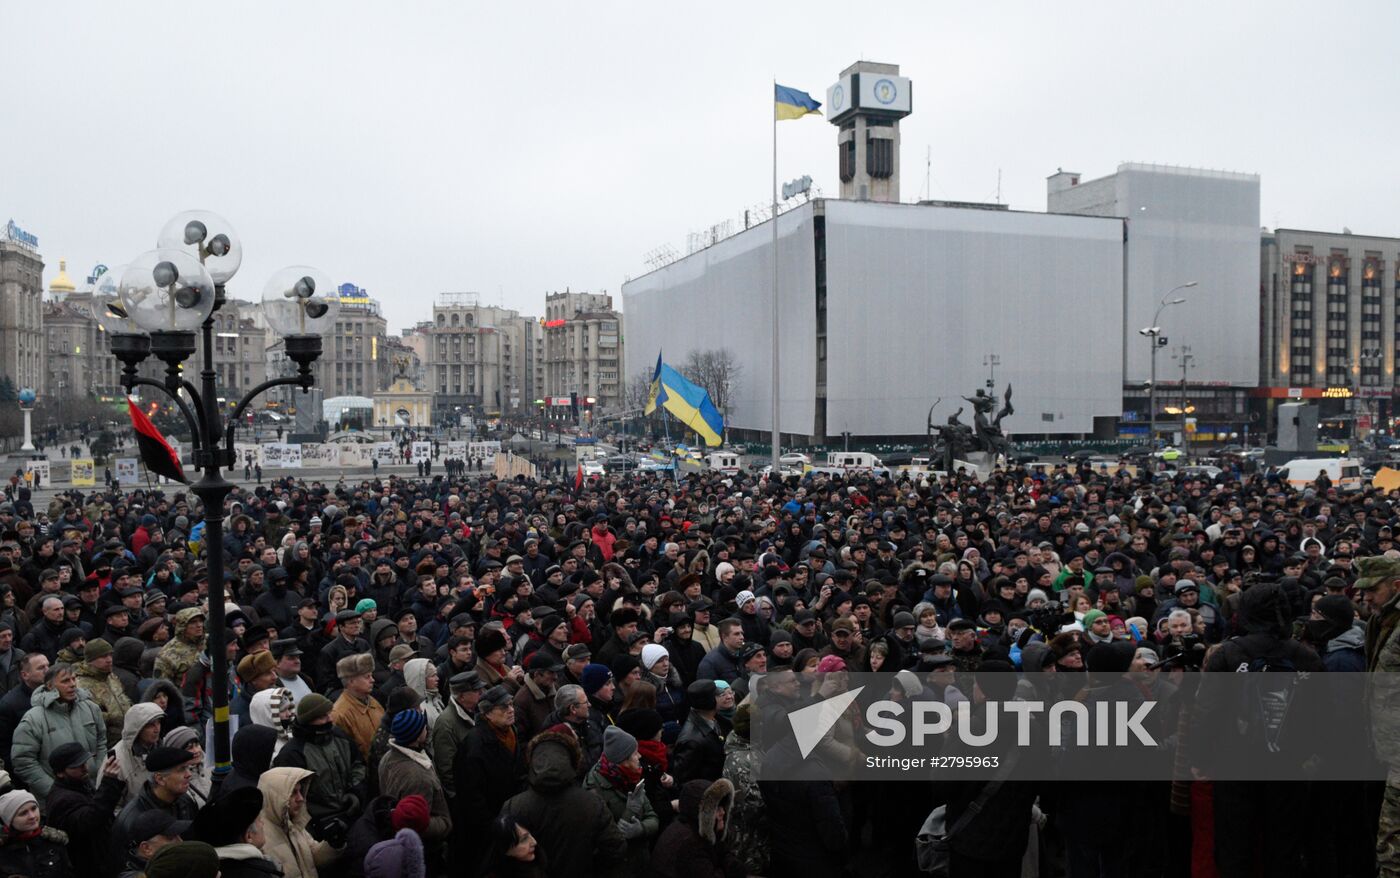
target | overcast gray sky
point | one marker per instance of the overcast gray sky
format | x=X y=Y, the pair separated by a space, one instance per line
x=514 y=148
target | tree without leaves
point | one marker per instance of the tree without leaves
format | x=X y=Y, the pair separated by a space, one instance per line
x=718 y=372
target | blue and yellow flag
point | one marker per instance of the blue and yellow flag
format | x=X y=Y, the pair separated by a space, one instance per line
x=687 y=403
x=789 y=103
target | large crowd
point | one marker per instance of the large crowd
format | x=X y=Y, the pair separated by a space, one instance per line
x=459 y=675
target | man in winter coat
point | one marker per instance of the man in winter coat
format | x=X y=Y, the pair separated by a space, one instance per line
x=453 y=725
x=578 y=834
x=95 y=677
x=167 y=790
x=347 y=642
x=228 y=825
x=535 y=700
x=85 y=814
x=408 y=770
x=338 y=787
x=16 y=703
x=182 y=651
x=356 y=712
x=62 y=714
x=722 y=662
x=699 y=751
x=694 y=843
x=487 y=769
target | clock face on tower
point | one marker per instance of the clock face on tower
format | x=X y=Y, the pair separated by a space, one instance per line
x=886 y=92
x=838 y=98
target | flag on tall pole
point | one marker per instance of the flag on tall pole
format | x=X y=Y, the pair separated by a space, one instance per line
x=688 y=402
x=157 y=454
x=788 y=103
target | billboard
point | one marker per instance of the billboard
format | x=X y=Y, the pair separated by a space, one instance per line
x=918 y=298
x=719 y=298
x=421 y=451
x=126 y=471
x=83 y=473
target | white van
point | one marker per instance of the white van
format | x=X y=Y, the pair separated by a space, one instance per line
x=726 y=462
x=1343 y=472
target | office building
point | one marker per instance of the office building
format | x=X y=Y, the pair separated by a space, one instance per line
x=1329 y=303
x=481 y=358
x=22 y=347
x=583 y=348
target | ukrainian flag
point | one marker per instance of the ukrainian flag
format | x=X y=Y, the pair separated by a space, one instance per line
x=789 y=103
x=687 y=403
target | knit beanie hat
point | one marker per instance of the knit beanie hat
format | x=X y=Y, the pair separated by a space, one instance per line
x=594 y=677
x=1093 y=616
x=184 y=859
x=412 y=812
x=618 y=746
x=180 y=737
x=653 y=653
x=365 y=605
x=11 y=802
x=399 y=857
x=407 y=725
x=313 y=706
x=96 y=649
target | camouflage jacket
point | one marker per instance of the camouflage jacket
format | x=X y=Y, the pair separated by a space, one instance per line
x=748 y=825
x=1383 y=661
x=107 y=691
x=176 y=658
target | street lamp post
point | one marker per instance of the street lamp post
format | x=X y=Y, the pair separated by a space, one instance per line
x=1152 y=333
x=163 y=297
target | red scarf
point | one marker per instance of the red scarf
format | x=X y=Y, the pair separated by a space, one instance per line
x=623 y=776
x=653 y=753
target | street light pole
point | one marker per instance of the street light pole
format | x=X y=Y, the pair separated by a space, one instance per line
x=1153 y=332
x=167 y=292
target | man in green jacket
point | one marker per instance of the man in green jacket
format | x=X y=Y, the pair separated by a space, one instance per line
x=61 y=714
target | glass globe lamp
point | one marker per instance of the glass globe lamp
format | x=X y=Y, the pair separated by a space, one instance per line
x=167 y=290
x=209 y=238
x=300 y=300
x=27 y=396
x=107 y=307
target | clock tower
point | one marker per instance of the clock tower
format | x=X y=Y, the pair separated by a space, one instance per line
x=866 y=105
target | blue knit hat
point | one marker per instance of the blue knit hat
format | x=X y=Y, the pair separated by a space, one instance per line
x=594 y=677
x=406 y=726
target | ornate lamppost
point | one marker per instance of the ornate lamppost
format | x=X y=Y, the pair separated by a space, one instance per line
x=164 y=299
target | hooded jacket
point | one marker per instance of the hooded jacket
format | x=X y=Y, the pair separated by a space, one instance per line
x=131 y=763
x=690 y=848
x=339 y=785
x=415 y=674
x=252 y=751
x=260 y=712
x=572 y=825
x=49 y=723
x=288 y=843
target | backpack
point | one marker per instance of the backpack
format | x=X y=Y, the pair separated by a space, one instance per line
x=1267 y=700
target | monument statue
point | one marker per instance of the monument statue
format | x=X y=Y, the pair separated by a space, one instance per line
x=986 y=427
x=954 y=438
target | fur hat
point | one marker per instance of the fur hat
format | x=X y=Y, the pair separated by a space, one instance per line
x=489 y=640
x=354 y=666
x=1063 y=644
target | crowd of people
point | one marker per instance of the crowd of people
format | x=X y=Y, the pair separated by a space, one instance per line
x=468 y=676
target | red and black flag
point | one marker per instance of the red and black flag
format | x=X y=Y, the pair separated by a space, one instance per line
x=578 y=478
x=159 y=457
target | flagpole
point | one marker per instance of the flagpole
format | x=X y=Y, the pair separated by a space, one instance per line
x=777 y=451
